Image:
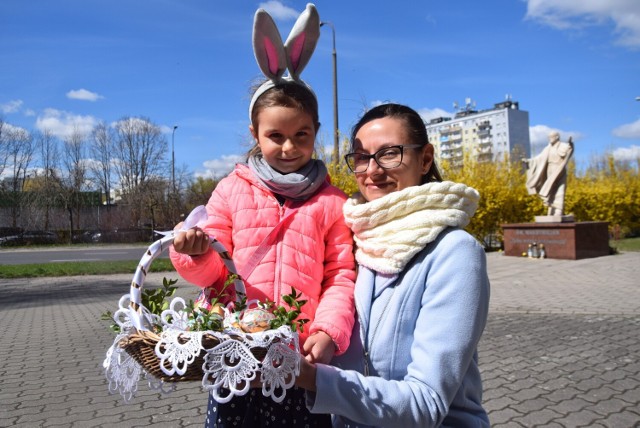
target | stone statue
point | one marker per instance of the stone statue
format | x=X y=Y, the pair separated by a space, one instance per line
x=547 y=173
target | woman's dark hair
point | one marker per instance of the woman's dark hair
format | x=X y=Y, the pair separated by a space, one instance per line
x=414 y=125
x=289 y=94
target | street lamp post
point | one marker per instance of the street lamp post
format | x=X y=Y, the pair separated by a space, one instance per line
x=336 y=136
x=173 y=161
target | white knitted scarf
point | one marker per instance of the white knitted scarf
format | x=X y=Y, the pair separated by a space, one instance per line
x=390 y=230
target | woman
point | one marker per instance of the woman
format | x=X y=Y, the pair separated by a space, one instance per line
x=422 y=292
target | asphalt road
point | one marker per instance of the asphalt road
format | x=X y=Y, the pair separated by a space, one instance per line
x=96 y=253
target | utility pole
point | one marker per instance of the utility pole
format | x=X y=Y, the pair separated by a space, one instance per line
x=336 y=133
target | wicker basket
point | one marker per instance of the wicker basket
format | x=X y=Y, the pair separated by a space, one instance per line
x=141 y=346
x=223 y=361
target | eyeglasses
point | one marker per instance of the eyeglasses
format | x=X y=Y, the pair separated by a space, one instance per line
x=386 y=158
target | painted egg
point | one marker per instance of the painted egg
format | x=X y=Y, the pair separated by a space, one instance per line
x=232 y=321
x=255 y=320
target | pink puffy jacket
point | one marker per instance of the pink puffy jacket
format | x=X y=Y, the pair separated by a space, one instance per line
x=314 y=254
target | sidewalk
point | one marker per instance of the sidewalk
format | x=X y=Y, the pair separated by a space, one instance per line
x=562 y=345
x=561 y=349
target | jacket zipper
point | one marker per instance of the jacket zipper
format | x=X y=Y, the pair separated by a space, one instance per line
x=368 y=344
x=277 y=279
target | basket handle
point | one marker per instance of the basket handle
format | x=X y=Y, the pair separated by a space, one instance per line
x=137 y=312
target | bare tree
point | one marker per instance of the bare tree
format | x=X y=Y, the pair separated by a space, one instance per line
x=49 y=189
x=74 y=161
x=4 y=146
x=102 y=145
x=140 y=148
x=19 y=146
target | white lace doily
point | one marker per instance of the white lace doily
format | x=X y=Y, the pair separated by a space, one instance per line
x=271 y=356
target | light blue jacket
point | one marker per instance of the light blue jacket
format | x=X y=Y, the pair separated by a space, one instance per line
x=422 y=330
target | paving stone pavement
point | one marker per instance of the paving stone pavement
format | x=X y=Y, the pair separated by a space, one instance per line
x=561 y=349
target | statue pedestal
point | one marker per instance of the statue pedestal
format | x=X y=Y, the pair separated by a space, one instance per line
x=562 y=240
x=555 y=219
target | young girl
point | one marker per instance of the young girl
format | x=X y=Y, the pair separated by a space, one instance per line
x=312 y=252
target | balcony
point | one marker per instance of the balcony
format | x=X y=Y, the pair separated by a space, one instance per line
x=450 y=130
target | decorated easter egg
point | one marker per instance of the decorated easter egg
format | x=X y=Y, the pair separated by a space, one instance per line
x=255 y=320
x=232 y=320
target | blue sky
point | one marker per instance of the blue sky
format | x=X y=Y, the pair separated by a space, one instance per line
x=574 y=65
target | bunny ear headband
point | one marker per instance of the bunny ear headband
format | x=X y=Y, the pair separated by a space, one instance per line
x=274 y=57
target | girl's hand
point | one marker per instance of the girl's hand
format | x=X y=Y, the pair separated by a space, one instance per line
x=192 y=242
x=319 y=348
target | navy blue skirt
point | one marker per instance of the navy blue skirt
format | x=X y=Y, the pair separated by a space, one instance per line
x=254 y=410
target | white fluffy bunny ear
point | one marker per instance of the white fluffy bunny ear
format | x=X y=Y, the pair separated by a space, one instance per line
x=267 y=46
x=302 y=40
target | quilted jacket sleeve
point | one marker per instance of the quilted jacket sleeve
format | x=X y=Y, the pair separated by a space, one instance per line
x=336 y=309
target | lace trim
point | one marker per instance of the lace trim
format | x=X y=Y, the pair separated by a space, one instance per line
x=229 y=365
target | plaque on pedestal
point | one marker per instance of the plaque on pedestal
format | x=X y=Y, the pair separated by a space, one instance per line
x=561 y=240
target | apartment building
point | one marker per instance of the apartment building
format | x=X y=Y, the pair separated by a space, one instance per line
x=485 y=135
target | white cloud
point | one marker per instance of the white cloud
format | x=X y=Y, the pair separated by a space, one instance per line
x=627 y=153
x=433 y=113
x=277 y=10
x=324 y=151
x=11 y=107
x=83 y=94
x=539 y=137
x=165 y=129
x=630 y=130
x=426 y=113
x=9 y=128
x=218 y=168
x=62 y=124
x=131 y=122
x=578 y=14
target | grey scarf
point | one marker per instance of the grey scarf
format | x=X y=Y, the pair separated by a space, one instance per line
x=297 y=186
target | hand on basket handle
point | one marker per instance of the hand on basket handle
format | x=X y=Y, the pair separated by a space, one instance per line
x=192 y=242
x=189 y=238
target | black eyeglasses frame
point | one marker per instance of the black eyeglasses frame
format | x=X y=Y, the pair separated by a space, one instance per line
x=373 y=156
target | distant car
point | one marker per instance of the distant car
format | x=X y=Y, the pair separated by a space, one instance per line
x=9 y=240
x=88 y=236
x=34 y=237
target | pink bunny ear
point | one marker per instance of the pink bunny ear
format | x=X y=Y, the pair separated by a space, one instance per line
x=302 y=40
x=267 y=46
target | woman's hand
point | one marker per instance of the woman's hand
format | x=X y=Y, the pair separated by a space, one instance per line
x=307 y=377
x=319 y=348
x=192 y=242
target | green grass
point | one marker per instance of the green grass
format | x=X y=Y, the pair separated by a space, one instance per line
x=80 y=268
x=627 y=244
